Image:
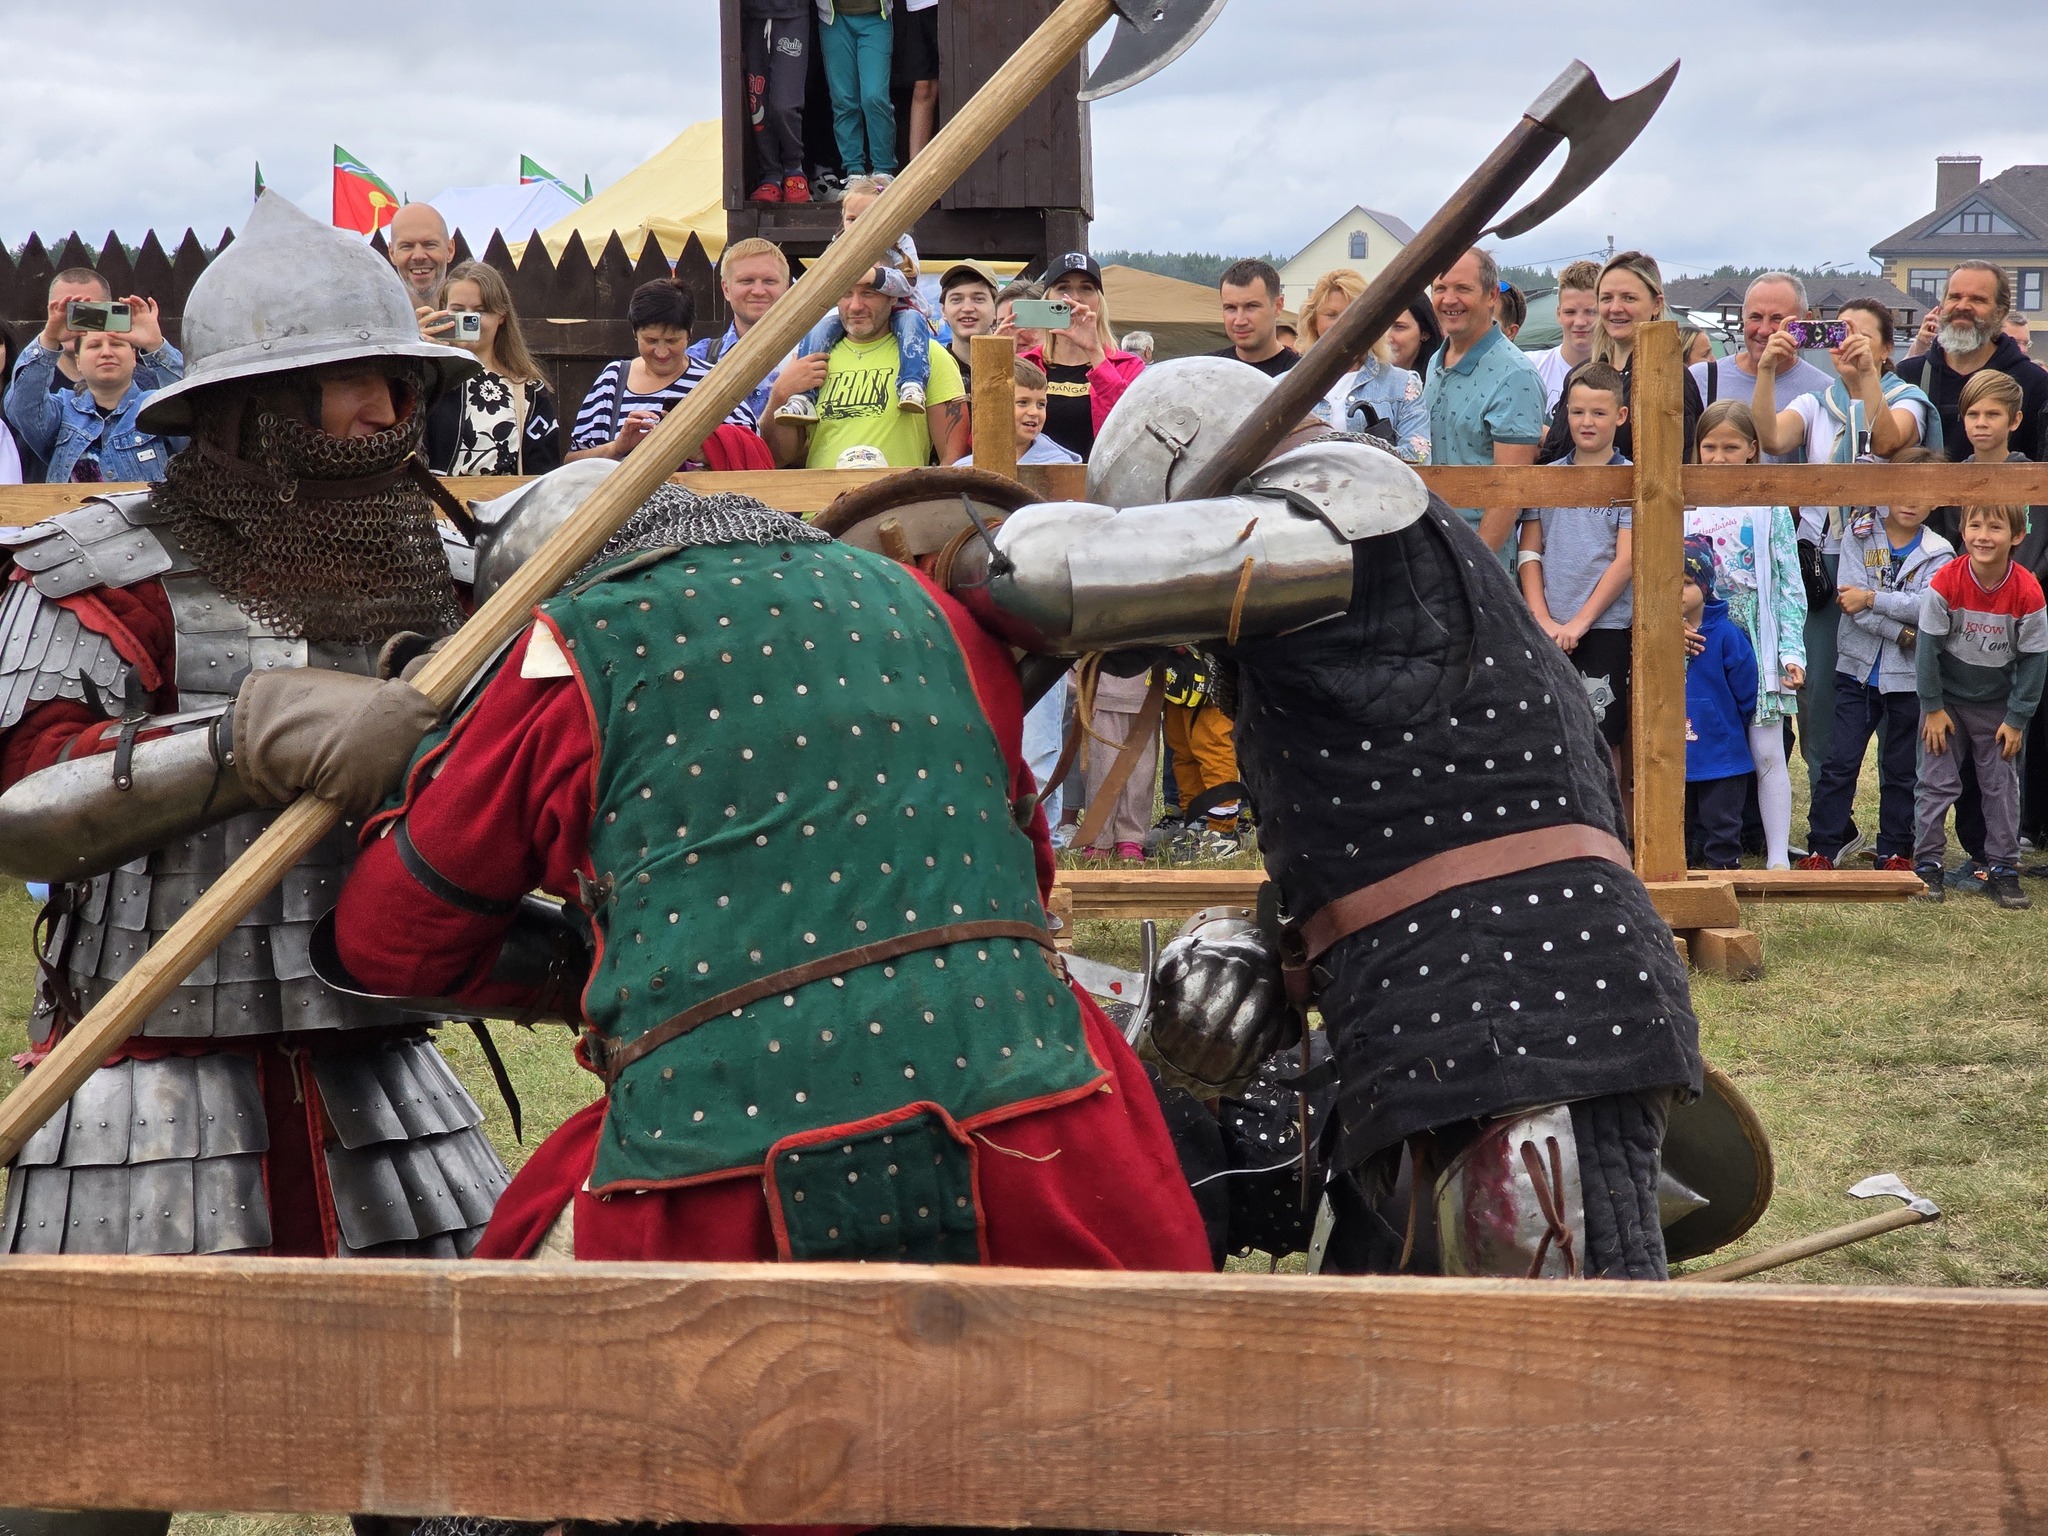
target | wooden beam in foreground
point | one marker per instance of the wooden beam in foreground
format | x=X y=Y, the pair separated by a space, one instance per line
x=873 y=1394
x=792 y=490
x=1173 y=893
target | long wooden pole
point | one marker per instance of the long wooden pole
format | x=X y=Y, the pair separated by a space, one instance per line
x=213 y=916
x=1808 y=1247
x=1657 y=705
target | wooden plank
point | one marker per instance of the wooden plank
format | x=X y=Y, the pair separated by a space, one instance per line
x=1117 y=894
x=802 y=491
x=1657 y=693
x=1745 y=485
x=994 y=404
x=883 y=1395
x=1698 y=902
x=1825 y=885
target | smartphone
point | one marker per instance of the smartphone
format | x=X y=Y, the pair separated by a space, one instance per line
x=99 y=315
x=1042 y=315
x=469 y=326
x=1823 y=335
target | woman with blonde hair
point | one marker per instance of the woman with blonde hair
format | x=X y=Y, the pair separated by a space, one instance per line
x=502 y=421
x=1086 y=372
x=1630 y=296
x=1375 y=391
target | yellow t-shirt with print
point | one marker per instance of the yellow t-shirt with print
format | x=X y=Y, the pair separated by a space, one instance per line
x=857 y=404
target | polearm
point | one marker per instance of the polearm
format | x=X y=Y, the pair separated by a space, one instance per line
x=1153 y=34
x=1574 y=111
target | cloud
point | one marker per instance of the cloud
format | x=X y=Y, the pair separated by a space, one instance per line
x=1789 y=137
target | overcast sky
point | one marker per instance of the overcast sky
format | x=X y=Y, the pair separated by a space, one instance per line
x=1776 y=145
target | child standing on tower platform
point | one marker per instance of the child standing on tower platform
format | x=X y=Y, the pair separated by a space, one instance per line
x=1720 y=699
x=1979 y=672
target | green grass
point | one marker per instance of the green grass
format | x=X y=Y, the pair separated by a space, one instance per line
x=1906 y=1039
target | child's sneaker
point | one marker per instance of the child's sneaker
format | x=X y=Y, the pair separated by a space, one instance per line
x=2002 y=885
x=910 y=399
x=1968 y=876
x=1131 y=853
x=1815 y=861
x=798 y=408
x=767 y=192
x=795 y=190
x=1931 y=877
x=828 y=187
x=1893 y=864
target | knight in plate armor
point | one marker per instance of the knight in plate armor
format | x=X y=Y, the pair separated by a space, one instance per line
x=174 y=666
x=1508 y=1017
x=783 y=778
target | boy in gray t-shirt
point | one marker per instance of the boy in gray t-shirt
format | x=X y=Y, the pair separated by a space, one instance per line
x=1574 y=562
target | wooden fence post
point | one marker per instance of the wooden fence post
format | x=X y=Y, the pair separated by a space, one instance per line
x=994 y=404
x=1657 y=704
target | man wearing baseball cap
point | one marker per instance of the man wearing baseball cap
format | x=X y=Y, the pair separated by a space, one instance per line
x=967 y=298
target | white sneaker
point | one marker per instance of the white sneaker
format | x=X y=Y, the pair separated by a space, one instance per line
x=798 y=408
x=910 y=399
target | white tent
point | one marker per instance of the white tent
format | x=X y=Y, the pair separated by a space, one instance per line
x=517 y=210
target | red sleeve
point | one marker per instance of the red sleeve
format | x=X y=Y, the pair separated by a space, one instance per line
x=138 y=620
x=505 y=809
x=1001 y=696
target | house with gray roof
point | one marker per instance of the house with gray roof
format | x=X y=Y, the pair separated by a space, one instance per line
x=1825 y=297
x=2004 y=220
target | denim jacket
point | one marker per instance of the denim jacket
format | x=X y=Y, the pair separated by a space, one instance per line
x=60 y=426
x=1395 y=394
x=1871 y=638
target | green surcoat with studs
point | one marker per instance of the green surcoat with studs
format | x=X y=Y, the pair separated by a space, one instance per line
x=798 y=801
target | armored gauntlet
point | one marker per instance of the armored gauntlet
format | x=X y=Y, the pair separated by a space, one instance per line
x=1219 y=1007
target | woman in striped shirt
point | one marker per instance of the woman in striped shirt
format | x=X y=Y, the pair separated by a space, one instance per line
x=632 y=394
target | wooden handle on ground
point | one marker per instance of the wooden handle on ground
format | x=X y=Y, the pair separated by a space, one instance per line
x=1807 y=1247
x=208 y=922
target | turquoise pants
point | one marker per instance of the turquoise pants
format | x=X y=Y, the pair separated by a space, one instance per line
x=858 y=51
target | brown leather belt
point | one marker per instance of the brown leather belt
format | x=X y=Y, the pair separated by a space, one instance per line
x=1497 y=856
x=609 y=1058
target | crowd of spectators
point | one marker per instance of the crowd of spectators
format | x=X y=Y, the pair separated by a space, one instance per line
x=1831 y=616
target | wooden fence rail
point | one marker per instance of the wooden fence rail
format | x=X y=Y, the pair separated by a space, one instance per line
x=877 y=1394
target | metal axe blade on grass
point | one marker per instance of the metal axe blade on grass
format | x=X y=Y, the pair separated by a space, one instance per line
x=1574 y=111
x=1913 y=1213
x=1150 y=35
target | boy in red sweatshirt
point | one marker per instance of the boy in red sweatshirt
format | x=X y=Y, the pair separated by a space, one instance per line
x=1979 y=667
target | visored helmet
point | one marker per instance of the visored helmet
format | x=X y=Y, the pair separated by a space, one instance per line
x=1168 y=424
x=293 y=293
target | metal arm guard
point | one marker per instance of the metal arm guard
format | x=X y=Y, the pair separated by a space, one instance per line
x=1066 y=578
x=169 y=776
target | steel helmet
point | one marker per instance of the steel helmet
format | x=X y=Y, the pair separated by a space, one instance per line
x=1168 y=424
x=293 y=293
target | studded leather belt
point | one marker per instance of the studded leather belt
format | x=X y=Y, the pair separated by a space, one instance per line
x=1497 y=856
x=609 y=1058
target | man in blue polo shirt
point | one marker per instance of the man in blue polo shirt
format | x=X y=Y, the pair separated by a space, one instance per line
x=1485 y=398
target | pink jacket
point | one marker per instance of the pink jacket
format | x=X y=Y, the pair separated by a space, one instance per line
x=1107 y=380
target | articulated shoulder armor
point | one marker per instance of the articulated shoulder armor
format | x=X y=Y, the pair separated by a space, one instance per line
x=261 y=981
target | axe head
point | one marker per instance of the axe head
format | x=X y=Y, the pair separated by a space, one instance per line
x=1598 y=131
x=1150 y=34
x=1892 y=1184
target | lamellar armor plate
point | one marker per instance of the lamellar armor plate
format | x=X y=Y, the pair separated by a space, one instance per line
x=165 y=1156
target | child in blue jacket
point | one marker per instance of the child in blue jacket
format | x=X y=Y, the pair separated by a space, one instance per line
x=1720 y=698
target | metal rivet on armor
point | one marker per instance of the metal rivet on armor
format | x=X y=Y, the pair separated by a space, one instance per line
x=825 y=1035
x=910 y=1071
x=753 y=1110
x=703 y=967
x=699 y=1115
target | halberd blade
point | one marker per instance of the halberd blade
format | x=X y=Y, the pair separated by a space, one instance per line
x=1598 y=130
x=1150 y=34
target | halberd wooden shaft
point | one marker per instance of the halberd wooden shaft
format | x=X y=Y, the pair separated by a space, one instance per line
x=207 y=923
x=1808 y=1247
